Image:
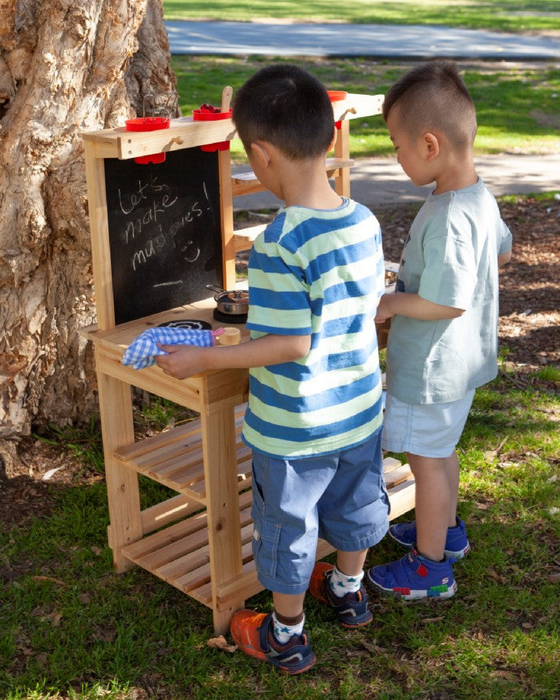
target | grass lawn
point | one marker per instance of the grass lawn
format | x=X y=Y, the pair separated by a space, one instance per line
x=505 y=15
x=518 y=105
x=71 y=628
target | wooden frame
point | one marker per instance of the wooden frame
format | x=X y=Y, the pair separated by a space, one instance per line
x=199 y=540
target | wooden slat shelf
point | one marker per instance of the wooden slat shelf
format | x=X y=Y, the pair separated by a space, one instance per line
x=180 y=553
x=247 y=183
x=175 y=458
x=244 y=238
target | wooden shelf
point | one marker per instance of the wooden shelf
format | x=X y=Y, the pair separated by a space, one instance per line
x=247 y=183
x=175 y=459
x=244 y=238
x=180 y=553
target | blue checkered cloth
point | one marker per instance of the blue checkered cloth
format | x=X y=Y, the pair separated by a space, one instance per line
x=142 y=351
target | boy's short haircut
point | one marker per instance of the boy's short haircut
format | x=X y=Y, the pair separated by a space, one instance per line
x=288 y=107
x=433 y=97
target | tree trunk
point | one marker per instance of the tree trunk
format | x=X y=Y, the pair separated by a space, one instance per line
x=66 y=67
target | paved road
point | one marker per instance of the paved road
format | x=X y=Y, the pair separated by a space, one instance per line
x=422 y=41
x=376 y=182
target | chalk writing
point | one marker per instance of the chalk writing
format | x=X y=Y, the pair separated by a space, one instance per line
x=142 y=192
x=164 y=230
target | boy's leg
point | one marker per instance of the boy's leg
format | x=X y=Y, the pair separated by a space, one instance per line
x=437 y=538
x=288 y=605
x=351 y=563
x=354 y=516
x=437 y=482
x=429 y=429
x=284 y=545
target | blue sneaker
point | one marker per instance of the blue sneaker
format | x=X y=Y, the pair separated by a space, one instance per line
x=456 y=544
x=414 y=577
x=351 y=610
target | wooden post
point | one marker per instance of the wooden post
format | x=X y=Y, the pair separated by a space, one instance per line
x=342 y=150
x=224 y=530
x=115 y=406
x=99 y=225
x=226 y=211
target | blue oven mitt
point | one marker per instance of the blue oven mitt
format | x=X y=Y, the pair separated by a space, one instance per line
x=142 y=351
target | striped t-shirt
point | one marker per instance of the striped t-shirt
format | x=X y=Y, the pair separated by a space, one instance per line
x=320 y=273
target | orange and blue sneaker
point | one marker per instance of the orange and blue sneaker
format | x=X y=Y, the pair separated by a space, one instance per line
x=253 y=634
x=351 y=610
x=456 y=543
x=414 y=577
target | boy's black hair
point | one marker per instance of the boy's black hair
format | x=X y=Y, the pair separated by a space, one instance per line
x=431 y=97
x=287 y=107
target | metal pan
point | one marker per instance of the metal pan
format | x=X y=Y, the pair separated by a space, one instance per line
x=233 y=303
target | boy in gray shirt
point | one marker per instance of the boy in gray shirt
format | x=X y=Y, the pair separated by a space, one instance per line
x=443 y=339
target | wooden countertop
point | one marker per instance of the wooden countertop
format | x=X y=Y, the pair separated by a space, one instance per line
x=122 y=336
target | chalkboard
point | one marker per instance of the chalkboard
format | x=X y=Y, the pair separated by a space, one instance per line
x=164 y=230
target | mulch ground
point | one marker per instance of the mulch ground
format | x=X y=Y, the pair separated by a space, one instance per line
x=529 y=284
x=529 y=327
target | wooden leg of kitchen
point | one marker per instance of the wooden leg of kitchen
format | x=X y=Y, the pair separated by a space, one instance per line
x=224 y=532
x=115 y=403
x=342 y=150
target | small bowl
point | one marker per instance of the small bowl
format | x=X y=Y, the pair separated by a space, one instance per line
x=337 y=95
x=200 y=115
x=147 y=123
x=212 y=114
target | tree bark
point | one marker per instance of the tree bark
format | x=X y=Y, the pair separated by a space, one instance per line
x=66 y=67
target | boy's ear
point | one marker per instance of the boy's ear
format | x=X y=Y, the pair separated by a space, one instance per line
x=334 y=136
x=261 y=152
x=431 y=145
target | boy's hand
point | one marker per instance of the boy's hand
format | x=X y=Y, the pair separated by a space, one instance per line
x=182 y=361
x=383 y=311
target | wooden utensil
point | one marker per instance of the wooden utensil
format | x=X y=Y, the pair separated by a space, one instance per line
x=226 y=98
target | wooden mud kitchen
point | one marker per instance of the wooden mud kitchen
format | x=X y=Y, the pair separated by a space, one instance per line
x=161 y=213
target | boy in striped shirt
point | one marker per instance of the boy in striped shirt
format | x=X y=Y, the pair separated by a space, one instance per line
x=314 y=417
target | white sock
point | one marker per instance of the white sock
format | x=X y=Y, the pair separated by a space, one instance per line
x=341 y=584
x=283 y=633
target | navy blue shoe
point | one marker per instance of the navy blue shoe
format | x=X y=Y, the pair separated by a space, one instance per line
x=352 y=610
x=456 y=544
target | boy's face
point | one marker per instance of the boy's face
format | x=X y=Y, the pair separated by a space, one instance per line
x=411 y=152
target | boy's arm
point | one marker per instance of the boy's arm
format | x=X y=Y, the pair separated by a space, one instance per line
x=183 y=361
x=504 y=258
x=413 y=306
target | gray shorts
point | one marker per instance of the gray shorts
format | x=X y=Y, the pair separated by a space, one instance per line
x=426 y=430
x=339 y=497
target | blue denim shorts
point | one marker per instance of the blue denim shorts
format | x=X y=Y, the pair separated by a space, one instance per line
x=427 y=430
x=340 y=497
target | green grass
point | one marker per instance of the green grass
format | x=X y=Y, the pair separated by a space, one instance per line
x=71 y=628
x=505 y=15
x=517 y=107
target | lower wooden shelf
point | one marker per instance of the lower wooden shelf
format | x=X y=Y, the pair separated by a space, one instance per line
x=180 y=553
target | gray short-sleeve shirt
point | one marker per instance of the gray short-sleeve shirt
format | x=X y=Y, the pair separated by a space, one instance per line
x=450 y=258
